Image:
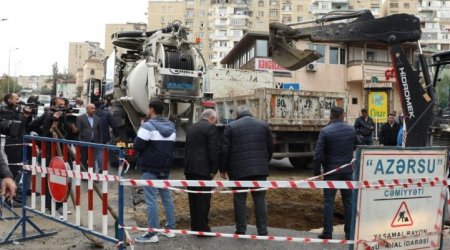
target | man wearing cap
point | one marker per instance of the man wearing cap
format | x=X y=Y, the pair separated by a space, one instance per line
x=334 y=148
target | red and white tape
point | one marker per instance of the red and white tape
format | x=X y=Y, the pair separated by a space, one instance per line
x=72 y=173
x=299 y=184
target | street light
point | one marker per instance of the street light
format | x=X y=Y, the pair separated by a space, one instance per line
x=9 y=66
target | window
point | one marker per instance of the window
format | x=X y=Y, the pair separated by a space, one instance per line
x=190 y=13
x=202 y=13
x=261 y=3
x=354 y=100
x=262 y=48
x=319 y=48
x=260 y=25
x=336 y=55
x=222 y=33
x=222 y=11
x=370 y=55
x=299 y=7
x=299 y=19
x=237 y=33
x=406 y=5
x=393 y=5
x=273 y=13
x=260 y=13
x=223 y=44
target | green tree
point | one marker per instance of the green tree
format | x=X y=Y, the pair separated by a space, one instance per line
x=45 y=90
x=5 y=80
x=443 y=91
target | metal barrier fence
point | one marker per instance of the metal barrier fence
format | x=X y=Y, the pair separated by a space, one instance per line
x=56 y=161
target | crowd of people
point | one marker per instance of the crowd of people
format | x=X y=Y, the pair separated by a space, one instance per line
x=57 y=121
x=243 y=152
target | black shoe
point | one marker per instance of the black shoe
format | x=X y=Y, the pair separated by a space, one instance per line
x=239 y=232
x=324 y=236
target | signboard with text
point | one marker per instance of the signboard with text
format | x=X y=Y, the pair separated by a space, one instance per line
x=268 y=64
x=378 y=106
x=400 y=217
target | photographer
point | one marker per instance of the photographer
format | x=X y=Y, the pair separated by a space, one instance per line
x=44 y=124
x=13 y=142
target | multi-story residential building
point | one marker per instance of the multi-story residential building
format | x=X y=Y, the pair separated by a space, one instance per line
x=112 y=28
x=435 y=22
x=79 y=52
x=33 y=82
x=399 y=6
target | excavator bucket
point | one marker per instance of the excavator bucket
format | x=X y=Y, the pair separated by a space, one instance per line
x=284 y=53
x=293 y=59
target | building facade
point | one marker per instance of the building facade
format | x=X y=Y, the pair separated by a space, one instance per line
x=33 y=82
x=79 y=52
x=112 y=28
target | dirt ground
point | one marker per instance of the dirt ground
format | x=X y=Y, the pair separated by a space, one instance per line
x=297 y=209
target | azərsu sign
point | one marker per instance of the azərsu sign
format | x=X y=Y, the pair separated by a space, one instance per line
x=403 y=166
x=399 y=216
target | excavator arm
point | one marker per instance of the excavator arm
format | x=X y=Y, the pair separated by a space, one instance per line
x=394 y=30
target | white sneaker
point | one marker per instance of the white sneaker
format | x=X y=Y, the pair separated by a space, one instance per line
x=147 y=238
x=168 y=234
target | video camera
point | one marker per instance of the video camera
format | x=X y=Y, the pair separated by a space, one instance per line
x=28 y=108
x=8 y=126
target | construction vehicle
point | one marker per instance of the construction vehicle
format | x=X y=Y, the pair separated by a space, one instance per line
x=154 y=64
x=295 y=117
x=417 y=99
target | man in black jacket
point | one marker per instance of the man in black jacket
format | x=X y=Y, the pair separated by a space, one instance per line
x=246 y=150
x=334 y=148
x=201 y=163
x=364 y=125
x=389 y=132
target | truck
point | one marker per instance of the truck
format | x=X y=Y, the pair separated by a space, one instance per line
x=295 y=117
x=417 y=89
x=154 y=64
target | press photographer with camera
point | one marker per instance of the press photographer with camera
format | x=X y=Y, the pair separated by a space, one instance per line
x=45 y=126
x=18 y=118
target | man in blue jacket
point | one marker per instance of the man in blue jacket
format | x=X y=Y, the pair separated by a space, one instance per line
x=154 y=144
x=334 y=148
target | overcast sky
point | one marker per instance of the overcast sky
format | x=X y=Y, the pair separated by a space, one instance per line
x=42 y=30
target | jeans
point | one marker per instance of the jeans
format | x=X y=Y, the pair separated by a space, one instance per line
x=151 y=199
x=260 y=206
x=328 y=207
x=99 y=160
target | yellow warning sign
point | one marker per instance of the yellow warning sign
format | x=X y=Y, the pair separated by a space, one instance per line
x=402 y=218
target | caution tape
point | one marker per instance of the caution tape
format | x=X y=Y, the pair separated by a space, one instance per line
x=72 y=174
x=372 y=242
x=298 y=184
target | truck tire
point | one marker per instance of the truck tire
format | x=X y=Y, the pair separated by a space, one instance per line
x=299 y=162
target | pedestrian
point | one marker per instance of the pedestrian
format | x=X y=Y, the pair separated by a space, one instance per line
x=154 y=144
x=88 y=126
x=13 y=142
x=334 y=148
x=45 y=125
x=201 y=163
x=389 y=132
x=364 y=126
x=246 y=150
x=106 y=122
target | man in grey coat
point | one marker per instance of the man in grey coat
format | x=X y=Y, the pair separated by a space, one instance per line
x=88 y=126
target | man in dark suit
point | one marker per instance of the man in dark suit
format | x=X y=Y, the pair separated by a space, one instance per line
x=201 y=163
x=88 y=131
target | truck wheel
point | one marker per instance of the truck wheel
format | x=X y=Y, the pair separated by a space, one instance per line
x=299 y=162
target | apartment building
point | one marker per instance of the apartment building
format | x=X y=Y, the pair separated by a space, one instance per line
x=112 y=28
x=435 y=22
x=79 y=52
x=33 y=82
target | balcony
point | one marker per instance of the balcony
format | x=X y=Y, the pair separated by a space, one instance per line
x=372 y=68
x=318 y=11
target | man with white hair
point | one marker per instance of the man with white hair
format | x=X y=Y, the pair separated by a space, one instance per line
x=201 y=163
x=246 y=150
